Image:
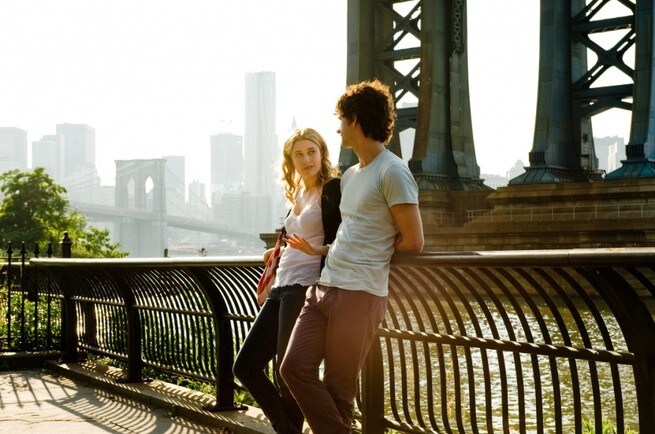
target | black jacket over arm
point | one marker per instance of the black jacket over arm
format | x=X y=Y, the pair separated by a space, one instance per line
x=330 y=200
x=330 y=213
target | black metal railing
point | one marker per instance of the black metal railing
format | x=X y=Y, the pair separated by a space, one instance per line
x=186 y=318
x=30 y=309
x=497 y=342
x=520 y=342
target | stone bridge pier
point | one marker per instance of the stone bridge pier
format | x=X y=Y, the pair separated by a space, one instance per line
x=141 y=187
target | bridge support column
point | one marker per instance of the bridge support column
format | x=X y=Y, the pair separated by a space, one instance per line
x=142 y=238
x=434 y=72
x=563 y=149
x=640 y=151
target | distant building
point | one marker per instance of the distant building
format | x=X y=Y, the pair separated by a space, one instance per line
x=226 y=165
x=252 y=213
x=175 y=185
x=78 y=162
x=13 y=149
x=260 y=141
x=83 y=185
x=517 y=169
x=107 y=195
x=610 y=151
x=494 y=181
x=261 y=152
x=79 y=147
x=197 y=204
x=48 y=153
x=613 y=157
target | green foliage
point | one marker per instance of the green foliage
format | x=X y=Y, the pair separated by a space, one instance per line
x=243 y=397
x=34 y=209
x=608 y=428
x=39 y=317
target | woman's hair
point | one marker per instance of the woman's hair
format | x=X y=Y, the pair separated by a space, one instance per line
x=292 y=180
x=371 y=103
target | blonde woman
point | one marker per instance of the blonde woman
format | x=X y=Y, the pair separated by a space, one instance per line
x=313 y=191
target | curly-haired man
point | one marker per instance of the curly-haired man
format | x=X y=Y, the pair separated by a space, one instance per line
x=342 y=312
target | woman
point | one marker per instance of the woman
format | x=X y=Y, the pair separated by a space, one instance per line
x=314 y=193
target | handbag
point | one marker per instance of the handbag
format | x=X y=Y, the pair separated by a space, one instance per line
x=268 y=276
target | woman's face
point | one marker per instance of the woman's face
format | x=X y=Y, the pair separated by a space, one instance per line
x=306 y=157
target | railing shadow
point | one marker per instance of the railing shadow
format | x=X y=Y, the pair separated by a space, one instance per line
x=41 y=402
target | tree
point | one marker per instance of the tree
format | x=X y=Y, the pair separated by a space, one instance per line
x=34 y=209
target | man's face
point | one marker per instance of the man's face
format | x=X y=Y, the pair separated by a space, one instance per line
x=345 y=130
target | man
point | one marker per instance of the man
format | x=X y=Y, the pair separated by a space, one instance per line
x=342 y=312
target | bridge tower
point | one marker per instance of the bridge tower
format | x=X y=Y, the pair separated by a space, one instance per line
x=142 y=238
x=640 y=150
x=570 y=94
x=419 y=49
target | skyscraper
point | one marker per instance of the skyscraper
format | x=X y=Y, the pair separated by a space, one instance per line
x=197 y=203
x=260 y=140
x=79 y=148
x=175 y=185
x=48 y=153
x=78 y=162
x=610 y=151
x=261 y=150
x=13 y=149
x=226 y=163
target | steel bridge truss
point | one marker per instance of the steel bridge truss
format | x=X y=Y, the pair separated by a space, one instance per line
x=419 y=48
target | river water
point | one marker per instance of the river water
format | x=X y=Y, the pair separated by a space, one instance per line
x=438 y=377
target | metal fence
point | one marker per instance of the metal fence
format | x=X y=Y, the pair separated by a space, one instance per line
x=534 y=342
x=495 y=342
x=30 y=309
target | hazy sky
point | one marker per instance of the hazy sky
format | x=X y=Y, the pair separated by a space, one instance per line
x=159 y=77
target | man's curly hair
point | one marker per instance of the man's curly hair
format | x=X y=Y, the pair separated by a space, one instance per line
x=371 y=103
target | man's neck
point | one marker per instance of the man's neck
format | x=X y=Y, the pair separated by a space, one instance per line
x=367 y=151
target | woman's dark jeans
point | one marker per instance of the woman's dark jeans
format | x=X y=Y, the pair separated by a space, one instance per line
x=267 y=338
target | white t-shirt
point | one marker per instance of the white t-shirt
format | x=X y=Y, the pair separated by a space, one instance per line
x=296 y=267
x=359 y=257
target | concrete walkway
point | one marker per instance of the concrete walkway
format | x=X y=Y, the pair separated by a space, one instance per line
x=87 y=398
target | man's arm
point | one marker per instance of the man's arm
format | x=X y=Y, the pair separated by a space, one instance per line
x=407 y=218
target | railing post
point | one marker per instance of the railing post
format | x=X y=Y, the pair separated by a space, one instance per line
x=638 y=328
x=69 y=325
x=134 y=362
x=23 y=296
x=225 y=361
x=134 y=359
x=373 y=391
x=225 y=386
x=66 y=246
x=10 y=252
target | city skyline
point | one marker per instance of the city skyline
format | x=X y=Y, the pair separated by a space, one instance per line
x=161 y=78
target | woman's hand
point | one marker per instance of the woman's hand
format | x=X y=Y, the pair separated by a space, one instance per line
x=300 y=243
